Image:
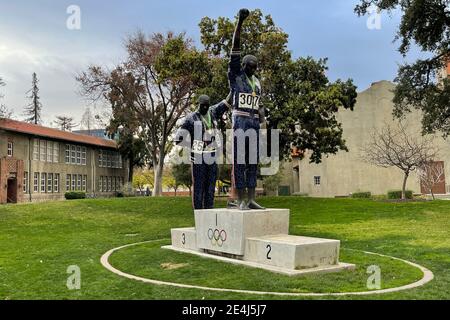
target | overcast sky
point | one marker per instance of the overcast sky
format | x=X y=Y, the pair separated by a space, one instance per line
x=34 y=38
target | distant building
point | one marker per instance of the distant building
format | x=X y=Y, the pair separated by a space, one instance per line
x=40 y=164
x=346 y=172
x=99 y=133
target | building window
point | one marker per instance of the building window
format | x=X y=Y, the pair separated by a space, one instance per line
x=56 y=183
x=67 y=153
x=103 y=184
x=68 y=182
x=108 y=159
x=36 y=182
x=43 y=148
x=78 y=155
x=73 y=154
x=49 y=182
x=56 y=152
x=317 y=180
x=10 y=148
x=25 y=182
x=83 y=156
x=79 y=182
x=49 y=151
x=43 y=182
x=100 y=184
x=74 y=182
x=84 y=182
x=36 y=149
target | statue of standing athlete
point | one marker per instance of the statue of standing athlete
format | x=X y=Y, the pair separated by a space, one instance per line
x=248 y=113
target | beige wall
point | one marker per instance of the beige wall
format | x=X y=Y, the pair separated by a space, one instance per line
x=345 y=173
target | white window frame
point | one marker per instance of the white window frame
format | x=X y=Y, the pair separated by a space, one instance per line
x=36 y=182
x=83 y=156
x=84 y=183
x=67 y=154
x=68 y=179
x=25 y=182
x=49 y=182
x=78 y=155
x=56 y=183
x=55 y=152
x=80 y=178
x=43 y=182
x=10 y=152
x=49 y=151
x=317 y=180
x=74 y=182
x=36 y=149
x=43 y=150
x=73 y=154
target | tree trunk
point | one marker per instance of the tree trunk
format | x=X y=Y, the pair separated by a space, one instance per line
x=404 y=185
x=130 y=170
x=157 y=192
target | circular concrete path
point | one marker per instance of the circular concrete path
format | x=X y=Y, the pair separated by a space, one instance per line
x=427 y=277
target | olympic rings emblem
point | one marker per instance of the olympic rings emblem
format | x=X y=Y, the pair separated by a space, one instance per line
x=217 y=237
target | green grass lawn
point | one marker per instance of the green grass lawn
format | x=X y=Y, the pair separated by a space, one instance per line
x=39 y=241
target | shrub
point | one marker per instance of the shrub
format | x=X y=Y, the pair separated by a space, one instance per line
x=75 y=195
x=362 y=195
x=119 y=194
x=397 y=194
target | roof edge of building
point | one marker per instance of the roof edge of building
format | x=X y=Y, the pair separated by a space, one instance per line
x=41 y=131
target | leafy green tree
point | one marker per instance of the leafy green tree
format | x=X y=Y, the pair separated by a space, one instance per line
x=182 y=174
x=421 y=85
x=299 y=98
x=154 y=86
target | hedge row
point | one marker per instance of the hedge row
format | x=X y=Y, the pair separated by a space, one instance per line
x=362 y=195
x=75 y=195
x=397 y=194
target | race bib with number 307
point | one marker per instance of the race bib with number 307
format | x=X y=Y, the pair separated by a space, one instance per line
x=248 y=101
x=197 y=146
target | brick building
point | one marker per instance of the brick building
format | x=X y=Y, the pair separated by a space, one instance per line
x=41 y=164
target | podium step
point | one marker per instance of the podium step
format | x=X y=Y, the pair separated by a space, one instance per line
x=226 y=230
x=184 y=238
x=292 y=252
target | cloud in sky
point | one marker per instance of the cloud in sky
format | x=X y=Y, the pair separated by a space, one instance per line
x=34 y=38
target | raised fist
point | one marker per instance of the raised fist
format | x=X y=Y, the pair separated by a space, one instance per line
x=243 y=14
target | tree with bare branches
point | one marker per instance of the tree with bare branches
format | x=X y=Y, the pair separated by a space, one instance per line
x=395 y=146
x=150 y=90
x=65 y=123
x=4 y=111
x=430 y=175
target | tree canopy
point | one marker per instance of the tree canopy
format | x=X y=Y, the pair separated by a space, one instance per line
x=421 y=85
x=299 y=98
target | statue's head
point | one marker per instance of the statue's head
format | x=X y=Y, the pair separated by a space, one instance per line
x=250 y=65
x=203 y=104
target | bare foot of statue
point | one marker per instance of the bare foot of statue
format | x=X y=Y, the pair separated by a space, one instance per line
x=252 y=202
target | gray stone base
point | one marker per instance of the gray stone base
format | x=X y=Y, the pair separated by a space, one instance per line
x=259 y=239
x=323 y=269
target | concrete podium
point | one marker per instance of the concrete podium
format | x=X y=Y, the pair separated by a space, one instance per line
x=257 y=238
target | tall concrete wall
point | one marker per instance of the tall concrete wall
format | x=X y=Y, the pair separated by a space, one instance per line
x=346 y=172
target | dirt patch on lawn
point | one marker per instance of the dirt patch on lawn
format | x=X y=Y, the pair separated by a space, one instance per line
x=173 y=266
